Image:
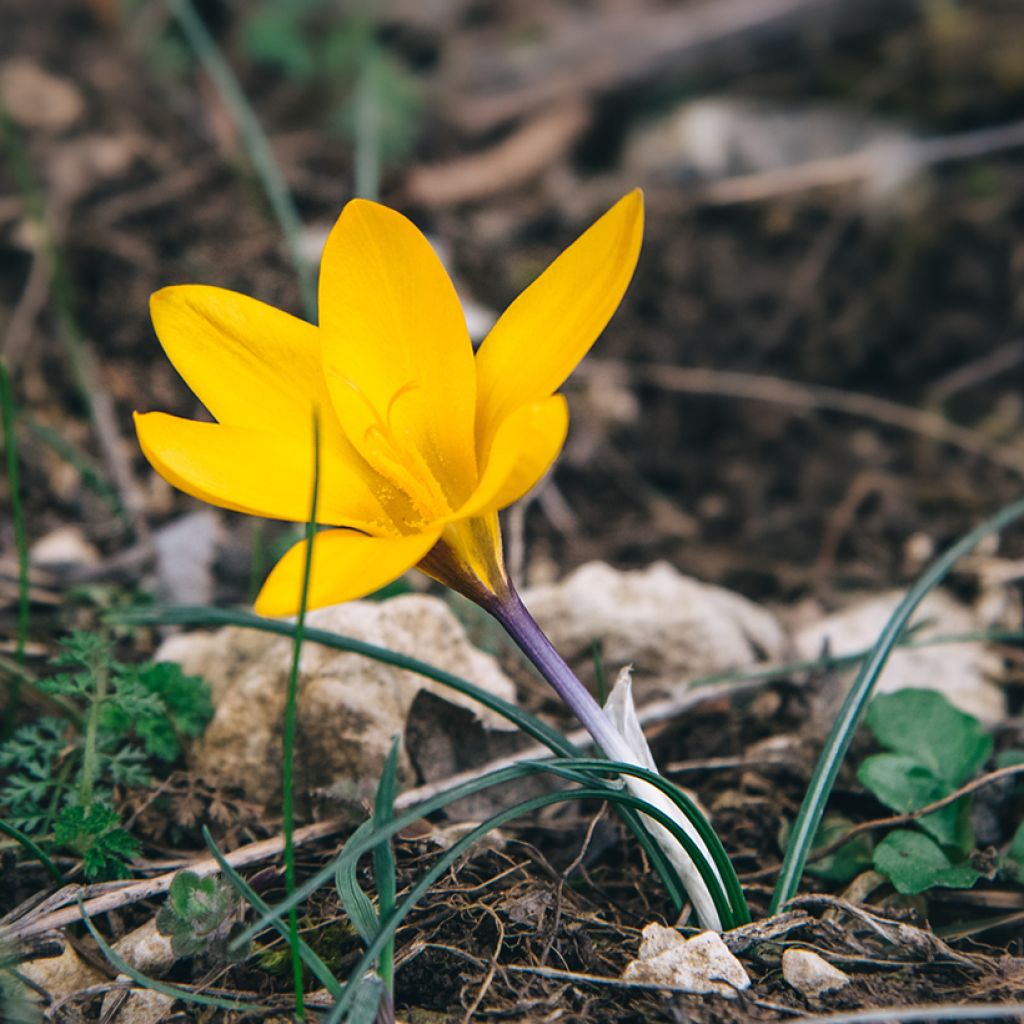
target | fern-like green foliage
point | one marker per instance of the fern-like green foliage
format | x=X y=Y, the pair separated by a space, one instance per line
x=95 y=834
x=141 y=714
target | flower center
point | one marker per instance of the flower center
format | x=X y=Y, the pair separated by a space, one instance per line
x=393 y=453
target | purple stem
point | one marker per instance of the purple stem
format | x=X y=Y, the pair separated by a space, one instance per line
x=510 y=611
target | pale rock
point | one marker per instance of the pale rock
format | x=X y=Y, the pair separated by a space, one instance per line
x=63 y=548
x=810 y=974
x=151 y=954
x=701 y=964
x=35 y=98
x=130 y=1004
x=60 y=976
x=185 y=552
x=147 y=950
x=668 y=626
x=719 y=137
x=960 y=672
x=349 y=707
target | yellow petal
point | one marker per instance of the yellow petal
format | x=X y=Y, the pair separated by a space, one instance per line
x=397 y=355
x=251 y=365
x=549 y=328
x=468 y=558
x=525 y=445
x=345 y=566
x=260 y=473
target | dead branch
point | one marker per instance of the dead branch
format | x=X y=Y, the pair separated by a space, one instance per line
x=626 y=47
x=523 y=155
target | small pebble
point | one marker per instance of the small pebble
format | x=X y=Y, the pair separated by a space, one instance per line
x=810 y=974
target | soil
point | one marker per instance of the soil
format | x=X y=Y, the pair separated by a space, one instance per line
x=915 y=298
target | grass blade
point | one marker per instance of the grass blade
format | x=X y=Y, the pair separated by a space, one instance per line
x=173 y=991
x=389 y=924
x=291 y=705
x=813 y=807
x=255 y=140
x=18 y=516
x=740 y=912
x=354 y=901
x=33 y=849
x=591 y=788
x=384 y=858
x=309 y=957
x=200 y=615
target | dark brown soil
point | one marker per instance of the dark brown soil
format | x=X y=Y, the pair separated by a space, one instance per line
x=915 y=300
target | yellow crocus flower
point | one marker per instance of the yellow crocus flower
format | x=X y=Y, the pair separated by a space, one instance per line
x=422 y=441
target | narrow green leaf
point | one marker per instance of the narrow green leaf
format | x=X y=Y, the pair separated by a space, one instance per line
x=309 y=956
x=356 y=904
x=384 y=857
x=174 y=991
x=33 y=849
x=291 y=711
x=200 y=615
x=805 y=827
x=20 y=535
x=590 y=788
x=457 y=849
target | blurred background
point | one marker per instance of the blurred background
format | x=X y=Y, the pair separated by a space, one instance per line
x=814 y=380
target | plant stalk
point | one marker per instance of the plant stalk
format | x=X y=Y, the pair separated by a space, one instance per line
x=510 y=611
x=101 y=673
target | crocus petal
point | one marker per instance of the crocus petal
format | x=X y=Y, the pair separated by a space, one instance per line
x=345 y=566
x=251 y=365
x=397 y=355
x=253 y=471
x=525 y=445
x=548 y=329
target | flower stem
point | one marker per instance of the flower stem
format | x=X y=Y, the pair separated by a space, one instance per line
x=510 y=611
x=507 y=607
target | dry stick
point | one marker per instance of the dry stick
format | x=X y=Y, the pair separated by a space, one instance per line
x=31 y=303
x=911 y=816
x=862 y=165
x=603 y=54
x=253 y=853
x=780 y=391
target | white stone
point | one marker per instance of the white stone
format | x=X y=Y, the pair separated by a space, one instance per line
x=810 y=974
x=147 y=950
x=35 y=98
x=139 y=1006
x=960 y=672
x=151 y=954
x=185 y=551
x=668 y=626
x=349 y=708
x=702 y=964
x=63 y=547
x=60 y=976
